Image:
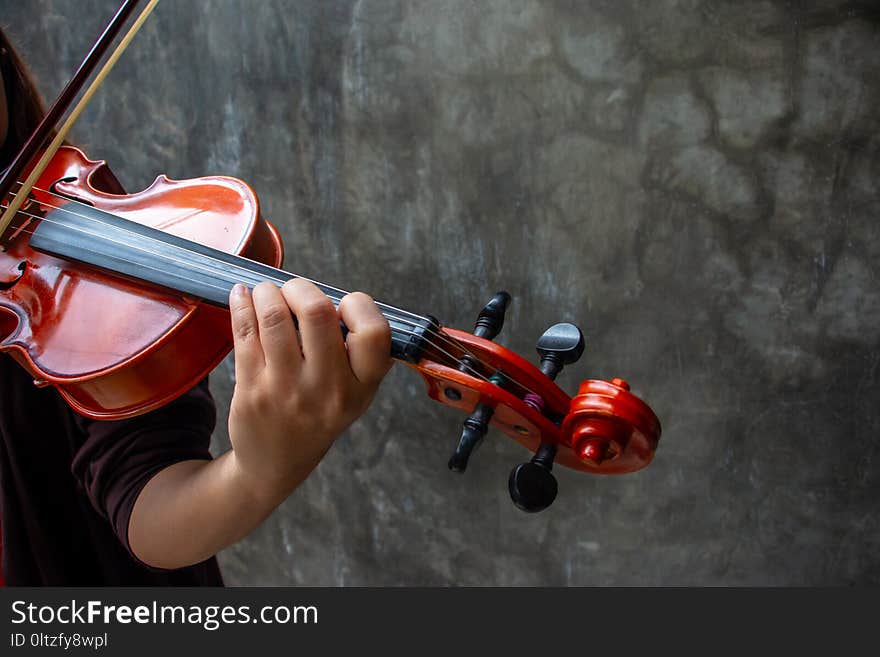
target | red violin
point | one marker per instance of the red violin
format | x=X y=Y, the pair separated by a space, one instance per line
x=119 y=301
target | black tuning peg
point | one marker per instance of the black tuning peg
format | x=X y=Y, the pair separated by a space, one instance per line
x=491 y=317
x=487 y=326
x=560 y=345
x=475 y=427
x=532 y=485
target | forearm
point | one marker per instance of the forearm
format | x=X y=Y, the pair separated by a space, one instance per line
x=193 y=509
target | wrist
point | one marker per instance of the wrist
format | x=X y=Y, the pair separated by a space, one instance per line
x=263 y=489
x=268 y=486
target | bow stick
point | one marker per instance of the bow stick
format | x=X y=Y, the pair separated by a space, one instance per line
x=54 y=114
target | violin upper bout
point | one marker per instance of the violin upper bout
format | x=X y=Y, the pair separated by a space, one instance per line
x=71 y=164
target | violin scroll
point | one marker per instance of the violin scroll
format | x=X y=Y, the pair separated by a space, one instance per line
x=607 y=423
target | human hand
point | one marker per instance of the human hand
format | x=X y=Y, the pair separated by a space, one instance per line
x=294 y=395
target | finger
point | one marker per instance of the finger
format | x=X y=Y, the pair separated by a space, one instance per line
x=249 y=359
x=368 y=339
x=320 y=335
x=277 y=333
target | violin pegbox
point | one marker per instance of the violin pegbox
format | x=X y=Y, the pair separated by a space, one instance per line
x=604 y=429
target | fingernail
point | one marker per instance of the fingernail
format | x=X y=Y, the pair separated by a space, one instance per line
x=239 y=290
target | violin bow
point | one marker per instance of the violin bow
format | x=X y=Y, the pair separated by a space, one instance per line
x=64 y=100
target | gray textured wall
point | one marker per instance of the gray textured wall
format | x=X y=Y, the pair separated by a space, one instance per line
x=695 y=182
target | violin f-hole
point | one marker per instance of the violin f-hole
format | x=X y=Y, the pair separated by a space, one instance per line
x=55 y=191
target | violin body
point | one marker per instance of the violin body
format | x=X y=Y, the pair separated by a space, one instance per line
x=116 y=347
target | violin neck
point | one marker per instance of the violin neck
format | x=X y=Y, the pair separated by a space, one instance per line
x=120 y=246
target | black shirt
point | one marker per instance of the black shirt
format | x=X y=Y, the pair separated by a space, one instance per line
x=68 y=484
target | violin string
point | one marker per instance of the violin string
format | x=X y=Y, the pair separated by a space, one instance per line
x=222 y=274
x=448 y=340
x=225 y=264
x=333 y=299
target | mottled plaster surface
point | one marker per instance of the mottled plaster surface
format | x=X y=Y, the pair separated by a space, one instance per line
x=695 y=182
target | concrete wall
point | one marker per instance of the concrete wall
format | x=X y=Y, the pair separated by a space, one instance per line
x=694 y=182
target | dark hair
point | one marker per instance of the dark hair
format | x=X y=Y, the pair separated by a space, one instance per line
x=24 y=104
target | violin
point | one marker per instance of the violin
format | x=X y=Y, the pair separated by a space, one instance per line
x=120 y=302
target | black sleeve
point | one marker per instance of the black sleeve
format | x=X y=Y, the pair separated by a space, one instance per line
x=118 y=458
